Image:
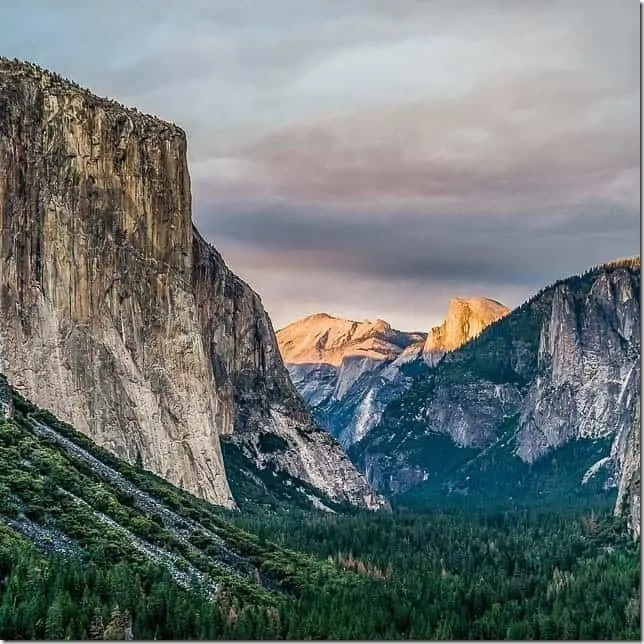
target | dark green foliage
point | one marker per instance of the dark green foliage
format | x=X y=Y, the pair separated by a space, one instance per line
x=459 y=574
x=498 y=478
x=291 y=573
x=271 y=443
x=62 y=598
x=444 y=575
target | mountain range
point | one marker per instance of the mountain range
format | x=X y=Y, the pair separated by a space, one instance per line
x=172 y=468
x=348 y=371
x=537 y=403
x=121 y=319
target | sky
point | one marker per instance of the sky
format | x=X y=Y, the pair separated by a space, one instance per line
x=373 y=158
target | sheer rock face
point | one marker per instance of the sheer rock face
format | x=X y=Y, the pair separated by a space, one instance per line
x=586 y=355
x=466 y=318
x=561 y=368
x=115 y=313
x=626 y=455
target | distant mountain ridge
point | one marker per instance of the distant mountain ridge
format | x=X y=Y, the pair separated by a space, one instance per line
x=348 y=371
x=322 y=338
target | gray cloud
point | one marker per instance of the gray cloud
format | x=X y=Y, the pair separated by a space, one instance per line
x=557 y=133
x=407 y=276
x=372 y=157
x=442 y=248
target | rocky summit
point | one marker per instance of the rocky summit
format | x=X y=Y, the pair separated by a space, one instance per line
x=543 y=402
x=338 y=365
x=322 y=338
x=465 y=320
x=119 y=317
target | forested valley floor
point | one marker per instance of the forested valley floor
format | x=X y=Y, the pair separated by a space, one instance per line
x=436 y=575
x=92 y=547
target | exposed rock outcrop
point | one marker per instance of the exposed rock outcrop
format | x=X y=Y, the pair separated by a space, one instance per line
x=466 y=318
x=322 y=338
x=626 y=455
x=117 y=315
x=340 y=368
x=588 y=348
x=349 y=371
x=6 y=399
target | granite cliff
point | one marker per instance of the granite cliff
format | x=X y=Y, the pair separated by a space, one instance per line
x=339 y=367
x=626 y=454
x=545 y=399
x=322 y=338
x=465 y=319
x=119 y=317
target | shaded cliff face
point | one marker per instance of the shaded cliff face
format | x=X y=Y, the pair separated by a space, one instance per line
x=465 y=319
x=588 y=349
x=116 y=315
x=551 y=377
x=626 y=455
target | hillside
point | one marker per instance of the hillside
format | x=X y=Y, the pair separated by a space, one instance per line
x=324 y=339
x=466 y=318
x=133 y=540
x=94 y=548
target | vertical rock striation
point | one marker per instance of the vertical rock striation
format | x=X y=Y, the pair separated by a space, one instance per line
x=115 y=313
x=466 y=318
x=588 y=347
x=561 y=370
x=626 y=455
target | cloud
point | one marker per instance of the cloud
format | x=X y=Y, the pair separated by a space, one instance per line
x=377 y=156
x=520 y=138
x=298 y=287
x=493 y=250
x=405 y=269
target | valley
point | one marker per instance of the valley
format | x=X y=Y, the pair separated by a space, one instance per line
x=533 y=405
x=173 y=468
x=94 y=548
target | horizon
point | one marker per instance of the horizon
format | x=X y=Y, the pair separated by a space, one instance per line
x=618 y=260
x=378 y=160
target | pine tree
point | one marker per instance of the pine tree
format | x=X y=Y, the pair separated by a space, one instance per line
x=54 y=627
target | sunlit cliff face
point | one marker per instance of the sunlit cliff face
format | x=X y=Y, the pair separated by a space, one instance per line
x=324 y=339
x=466 y=318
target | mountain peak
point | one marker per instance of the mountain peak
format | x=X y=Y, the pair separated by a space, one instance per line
x=476 y=303
x=466 y=318
x=322 y=338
